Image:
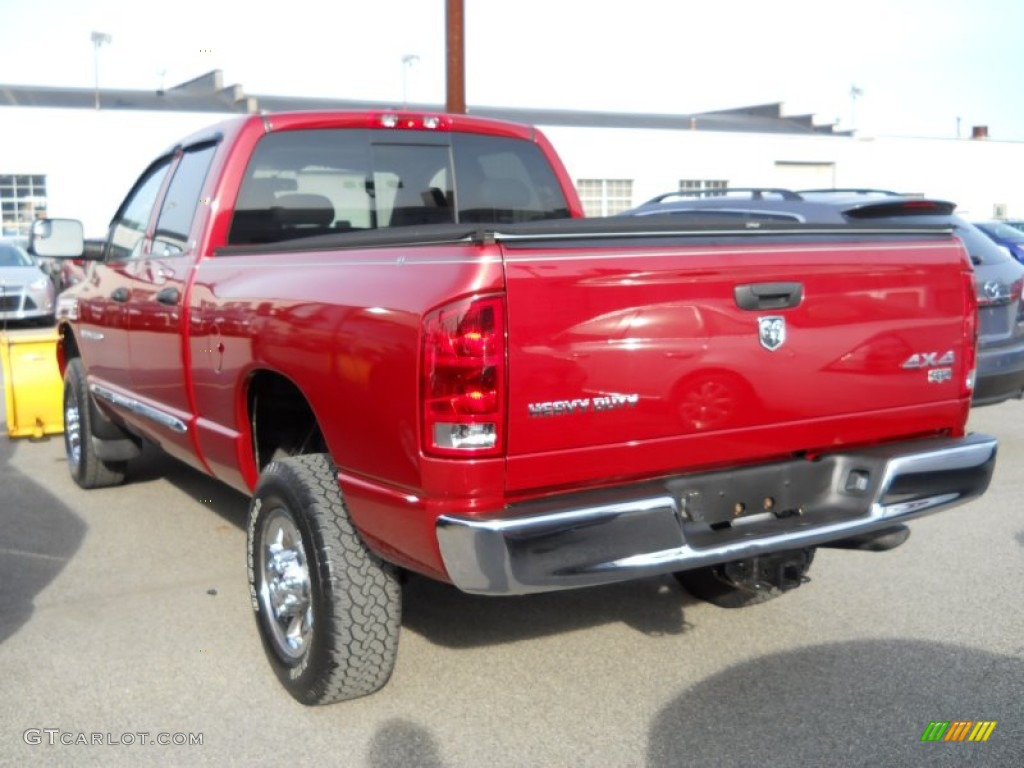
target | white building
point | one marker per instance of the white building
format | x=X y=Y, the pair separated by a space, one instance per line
x=61 y=155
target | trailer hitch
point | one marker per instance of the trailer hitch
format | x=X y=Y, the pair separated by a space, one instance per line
x=781 y=571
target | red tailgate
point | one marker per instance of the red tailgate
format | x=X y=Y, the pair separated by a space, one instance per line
x=634 y=357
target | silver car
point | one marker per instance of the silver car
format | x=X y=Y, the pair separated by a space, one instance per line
x=26 y=292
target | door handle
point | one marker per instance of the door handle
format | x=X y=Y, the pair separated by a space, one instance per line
x=120 y=295
x=761 y=296
x=168 y=296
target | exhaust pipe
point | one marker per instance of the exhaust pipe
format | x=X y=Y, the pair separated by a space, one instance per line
x=875 y=541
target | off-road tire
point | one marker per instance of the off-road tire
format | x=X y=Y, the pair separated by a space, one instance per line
x=328 y=610
x=82 y=420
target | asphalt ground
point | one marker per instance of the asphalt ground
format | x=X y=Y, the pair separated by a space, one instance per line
x=125 y=620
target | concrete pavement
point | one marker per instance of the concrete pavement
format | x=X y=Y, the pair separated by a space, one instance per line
x=125 y=612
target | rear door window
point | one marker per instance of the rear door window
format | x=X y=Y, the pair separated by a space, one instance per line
x=128 y=229
x=182 y=200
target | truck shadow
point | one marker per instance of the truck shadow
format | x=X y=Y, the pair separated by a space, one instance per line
x=438 y=611
x=865 y=702
x=154 y=465
x=38 y=536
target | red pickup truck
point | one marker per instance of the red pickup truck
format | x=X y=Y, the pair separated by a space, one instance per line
x=399 y=335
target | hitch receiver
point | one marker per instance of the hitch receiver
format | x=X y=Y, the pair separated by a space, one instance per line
x=779 y=571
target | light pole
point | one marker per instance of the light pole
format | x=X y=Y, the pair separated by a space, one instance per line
x=455 y=45
x=855 y=93
x=407 y=61
x=98 y=39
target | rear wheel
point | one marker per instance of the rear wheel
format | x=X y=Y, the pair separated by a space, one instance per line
x=81 y=419
x=740 y=583
x=328 y=610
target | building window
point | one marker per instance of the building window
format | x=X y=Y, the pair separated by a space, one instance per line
x=605 y=197
x=22 y=201
x=696 y=186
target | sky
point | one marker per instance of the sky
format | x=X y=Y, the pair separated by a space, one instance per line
x=927 y=68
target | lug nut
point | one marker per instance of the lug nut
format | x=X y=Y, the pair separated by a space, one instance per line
x=769 y=503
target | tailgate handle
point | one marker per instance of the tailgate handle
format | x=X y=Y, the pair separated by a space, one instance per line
x=760 y=296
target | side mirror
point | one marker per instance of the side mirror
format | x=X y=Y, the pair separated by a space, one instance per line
x=57 y=238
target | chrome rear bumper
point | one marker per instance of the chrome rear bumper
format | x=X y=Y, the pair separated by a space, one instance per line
x=698 y=520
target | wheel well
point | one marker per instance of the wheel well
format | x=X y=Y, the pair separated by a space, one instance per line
x=67 y=347
x=281 y=419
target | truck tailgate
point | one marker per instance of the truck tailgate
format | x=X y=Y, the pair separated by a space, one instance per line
x=639 y=355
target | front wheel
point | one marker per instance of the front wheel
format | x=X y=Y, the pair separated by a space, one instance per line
x=328 y=609
x=81 y=419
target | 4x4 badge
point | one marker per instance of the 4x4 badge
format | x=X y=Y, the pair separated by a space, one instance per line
x=771 y=331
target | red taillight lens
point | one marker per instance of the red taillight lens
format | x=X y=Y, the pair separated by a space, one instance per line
x=463 y=384
x=1017 y=295
x=970 y=333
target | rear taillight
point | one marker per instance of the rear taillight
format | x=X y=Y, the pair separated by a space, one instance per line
x=463 y=378
x=995 y=293
x=970 y=333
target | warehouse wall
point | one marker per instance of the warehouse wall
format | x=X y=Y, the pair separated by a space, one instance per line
x=976 y=174
x=91 y=157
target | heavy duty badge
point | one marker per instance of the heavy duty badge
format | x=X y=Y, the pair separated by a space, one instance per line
x=771 y=332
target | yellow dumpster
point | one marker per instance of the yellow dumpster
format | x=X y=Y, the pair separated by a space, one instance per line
x=33 y=389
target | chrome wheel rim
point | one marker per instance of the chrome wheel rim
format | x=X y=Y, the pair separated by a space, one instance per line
x=285 y=589
x=72 y=432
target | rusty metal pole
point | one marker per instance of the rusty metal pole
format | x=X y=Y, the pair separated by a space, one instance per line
x=456 y=55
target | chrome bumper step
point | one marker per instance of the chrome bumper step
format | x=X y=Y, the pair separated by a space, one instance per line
x=693 y=521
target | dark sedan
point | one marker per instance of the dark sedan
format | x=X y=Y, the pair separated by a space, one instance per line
x=1000 y=279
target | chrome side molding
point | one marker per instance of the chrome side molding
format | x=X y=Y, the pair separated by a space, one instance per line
x=155 y=415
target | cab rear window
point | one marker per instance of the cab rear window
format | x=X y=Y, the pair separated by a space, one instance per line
x=314 y=182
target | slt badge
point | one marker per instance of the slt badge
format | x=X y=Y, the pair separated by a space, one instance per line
x=771 y=331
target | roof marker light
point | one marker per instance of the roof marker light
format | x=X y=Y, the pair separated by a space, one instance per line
x=389 y=121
